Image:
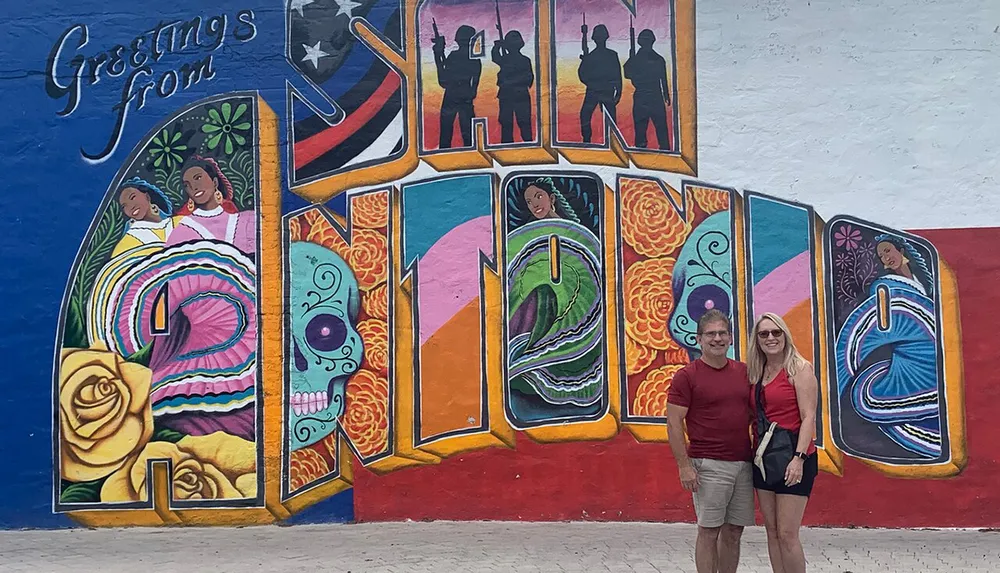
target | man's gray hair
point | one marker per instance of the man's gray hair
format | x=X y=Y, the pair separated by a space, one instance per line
x=713 y=315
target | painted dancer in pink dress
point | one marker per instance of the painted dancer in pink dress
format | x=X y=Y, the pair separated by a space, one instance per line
x=210 y=212
x=205 y=370
x=204 y=363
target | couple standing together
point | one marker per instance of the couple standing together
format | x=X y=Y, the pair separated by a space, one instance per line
x=719 y=400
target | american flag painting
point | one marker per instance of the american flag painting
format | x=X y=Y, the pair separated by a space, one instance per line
x=369 y=123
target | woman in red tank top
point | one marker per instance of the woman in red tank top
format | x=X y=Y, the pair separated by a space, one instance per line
x=788 y=392
x=781 y=405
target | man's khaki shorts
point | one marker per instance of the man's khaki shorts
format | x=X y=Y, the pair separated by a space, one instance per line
x=725 y=493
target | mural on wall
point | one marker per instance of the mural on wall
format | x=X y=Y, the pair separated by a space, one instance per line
x=159 y=344
x=555 y=309
x=267 y=301
x=447 y=240
x=477 y=61
x=347 y=105
x=677 y=263
x=609 y=76
x=889 y=399
x=337 y=333
x=781 y=244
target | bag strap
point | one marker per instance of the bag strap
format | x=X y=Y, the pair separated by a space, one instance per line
x=761 y=416
x=762 y=419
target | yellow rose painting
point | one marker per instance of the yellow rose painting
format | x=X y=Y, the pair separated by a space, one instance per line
x=216 y=466
x=104 y=412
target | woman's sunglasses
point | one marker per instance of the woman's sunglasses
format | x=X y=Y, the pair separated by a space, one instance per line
x=764 y=334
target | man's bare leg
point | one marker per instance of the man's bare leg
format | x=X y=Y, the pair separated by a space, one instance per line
x=706 y=549
x=729 y=547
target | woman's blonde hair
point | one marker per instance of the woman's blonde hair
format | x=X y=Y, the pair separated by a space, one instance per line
x=792 y=361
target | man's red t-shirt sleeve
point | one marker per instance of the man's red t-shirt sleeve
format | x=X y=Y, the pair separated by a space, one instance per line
x=680 y=389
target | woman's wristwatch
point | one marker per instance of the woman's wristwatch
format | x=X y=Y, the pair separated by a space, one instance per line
x=801 y=455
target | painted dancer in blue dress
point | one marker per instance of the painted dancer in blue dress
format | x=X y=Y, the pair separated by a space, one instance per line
x=888 y=369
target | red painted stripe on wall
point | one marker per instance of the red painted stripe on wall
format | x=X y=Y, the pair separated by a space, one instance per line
x=312 y=148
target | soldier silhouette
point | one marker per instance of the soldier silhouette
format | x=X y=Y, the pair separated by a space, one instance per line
x=513 y=80
x=648 y=72
x=600 y=70
x=459 y=75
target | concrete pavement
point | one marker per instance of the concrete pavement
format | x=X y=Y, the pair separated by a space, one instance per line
x=445 y=547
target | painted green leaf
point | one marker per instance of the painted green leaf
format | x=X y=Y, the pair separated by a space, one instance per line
x=75 y=334
x=166 y=435
x=213 y=141
x=107 y=234
x=227 y=111
x=240 y=110
x=214 y=115
x=142 y=355
x=175 y=188
x=241 y=168
x=83 y=492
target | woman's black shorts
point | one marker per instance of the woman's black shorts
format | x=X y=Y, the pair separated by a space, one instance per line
x=809 y=470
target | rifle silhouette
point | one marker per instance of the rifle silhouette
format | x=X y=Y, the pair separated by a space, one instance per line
x=631 y=38
x=438 y=42
x=583 y=32
x=496 y=4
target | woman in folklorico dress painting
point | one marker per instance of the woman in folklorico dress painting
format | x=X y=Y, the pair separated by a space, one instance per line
x=203 y=281
x=210 y=212
x=555 y=322
x=888 y=371
x=148 y=224
x=148 y=211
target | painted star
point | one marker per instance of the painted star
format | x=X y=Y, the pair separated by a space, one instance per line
x=298 y=5
x=313 y=54
x=346 y=6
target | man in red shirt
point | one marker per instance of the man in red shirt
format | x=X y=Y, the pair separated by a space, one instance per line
x=710 y=395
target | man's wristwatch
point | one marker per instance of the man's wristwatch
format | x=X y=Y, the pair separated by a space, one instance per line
x=801 y=455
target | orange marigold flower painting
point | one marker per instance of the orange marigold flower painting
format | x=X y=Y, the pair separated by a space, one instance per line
x=637 y=356
x=366 y=420
x=649 y=300
x=676 y=355
x=651 y=397
x=294 y=229
x=312 y=216
x=650 y=223
x=322 y=232
x=648 y=272
x=376 y=302
x=711 y=200
x=330 y=443
x=375 y=336
x=369 y=258
x=371 y=210
x=306 y=466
